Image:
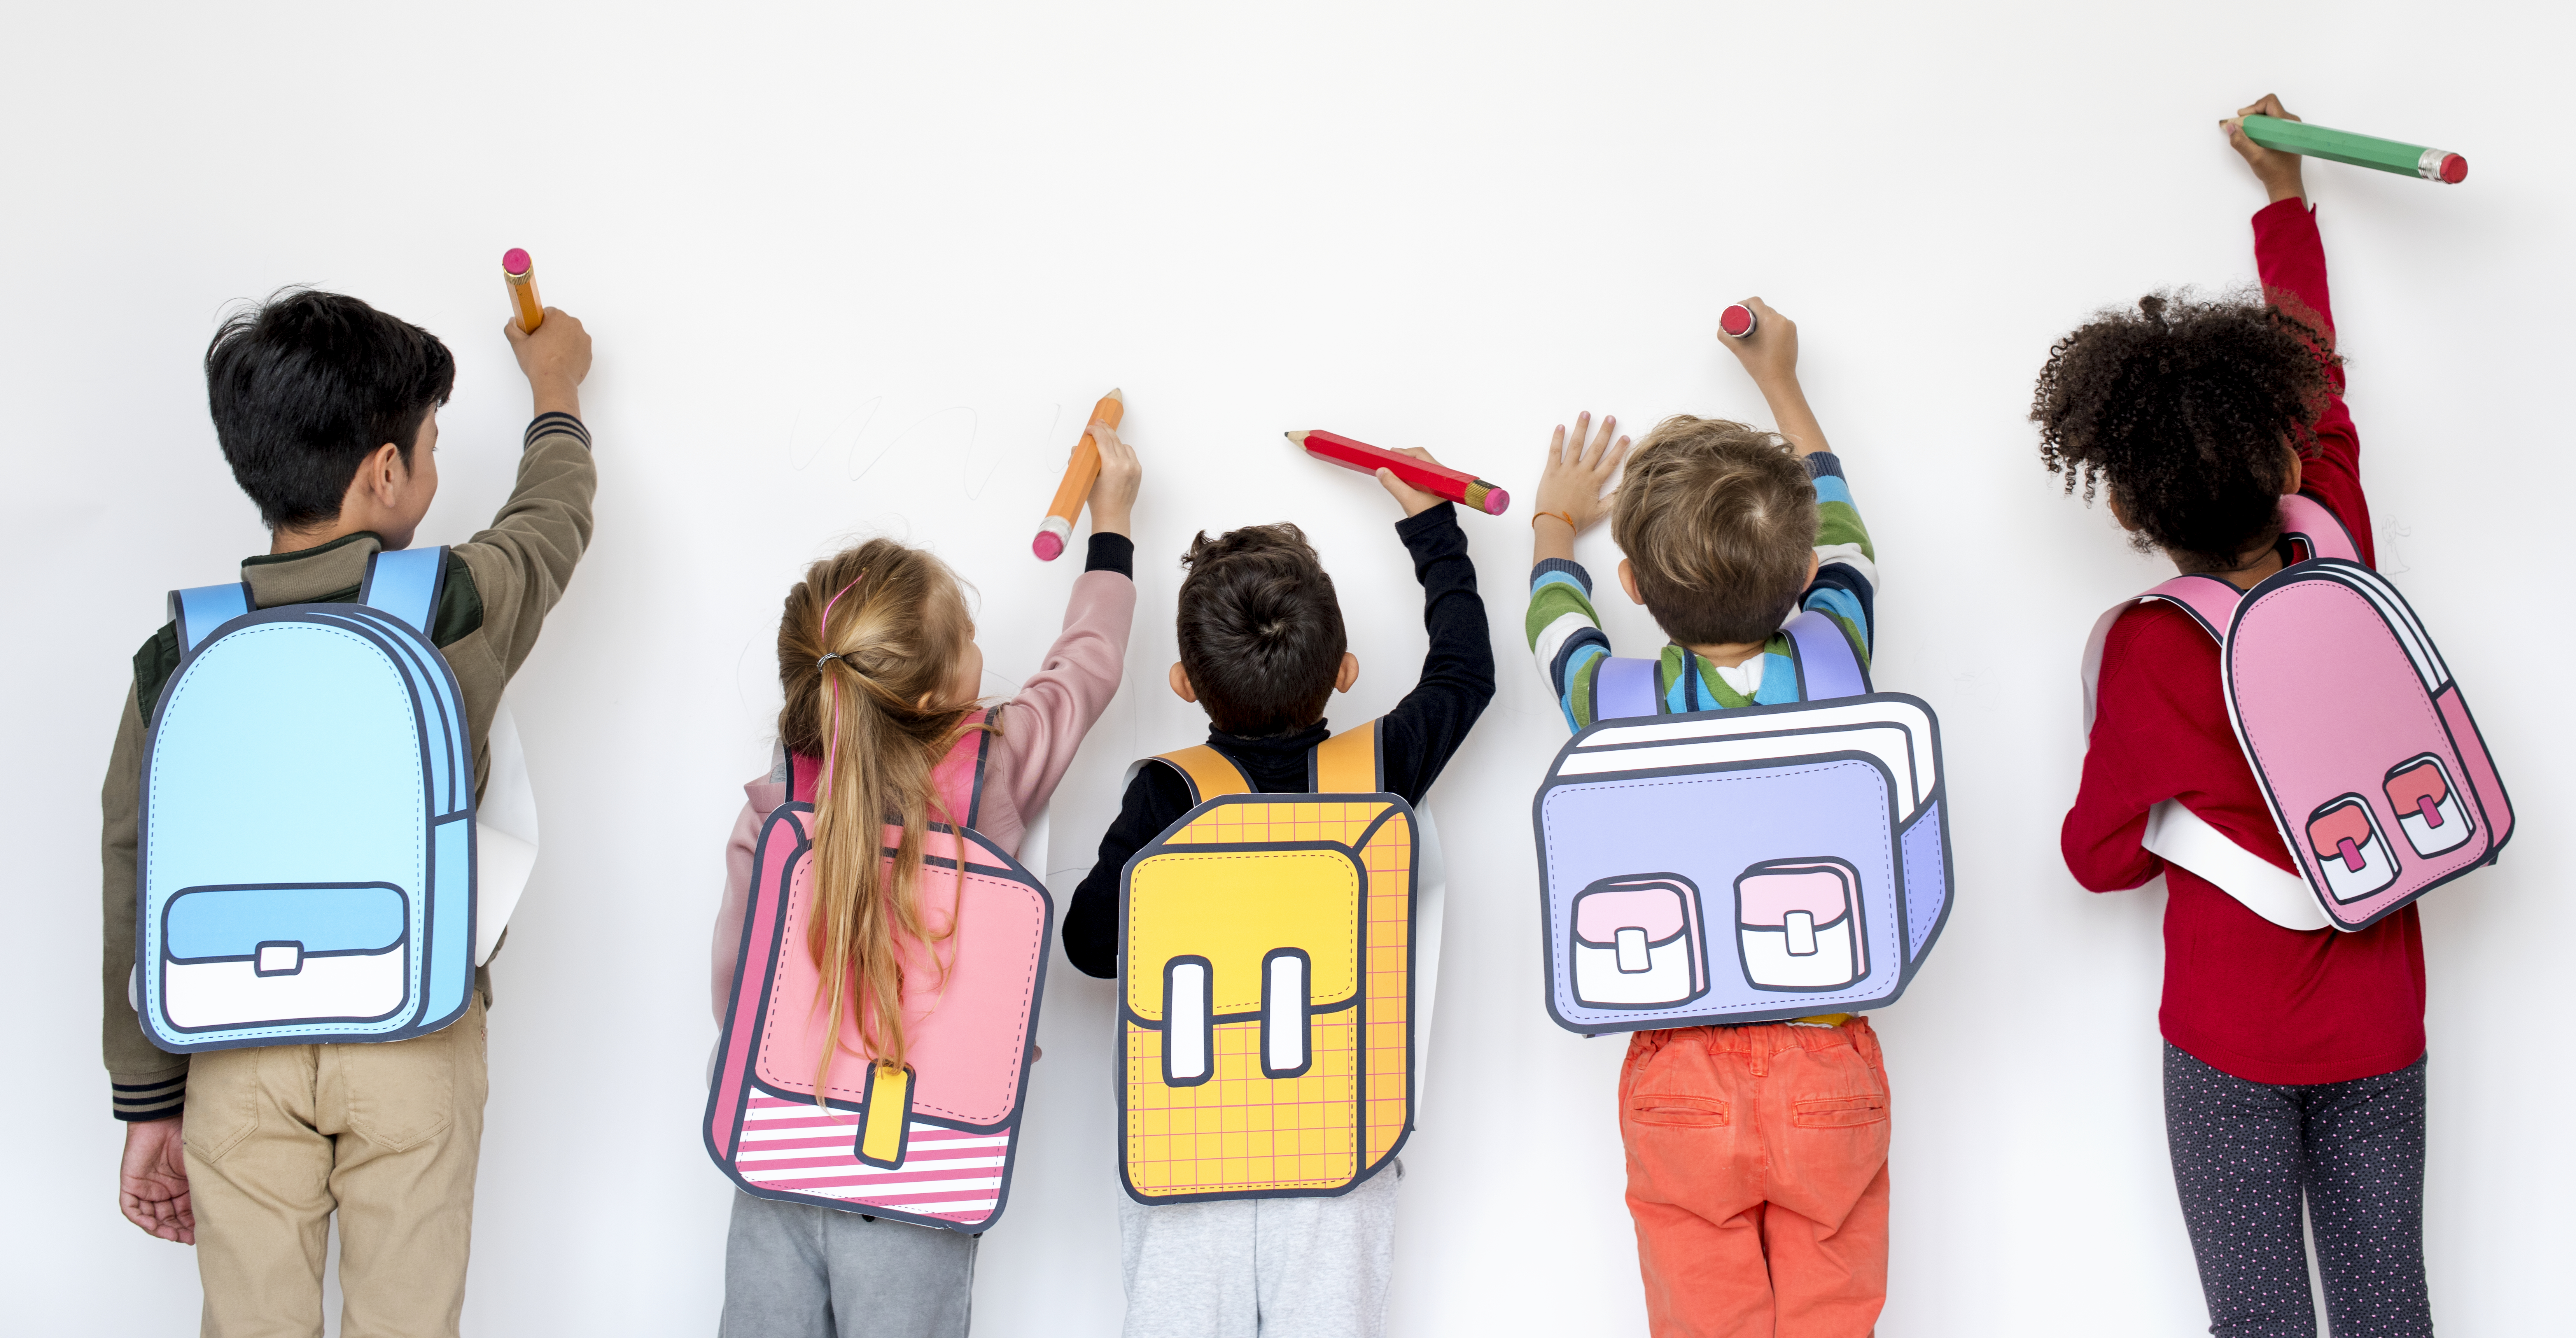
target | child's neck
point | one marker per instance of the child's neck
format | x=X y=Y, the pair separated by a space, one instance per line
x=2258 y=564
x=1729 y=654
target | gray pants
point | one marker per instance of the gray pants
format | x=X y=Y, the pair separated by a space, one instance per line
x=2245 y=1157
x=1261 y=1268
x=796 y=1270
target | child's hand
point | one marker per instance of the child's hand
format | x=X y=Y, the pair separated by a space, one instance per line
x=1770 y=353
x=554 y=359
x=152 y=1182
x=1414 y=500
x=1113 y=494
x=2278 y=171
x=1571 y=485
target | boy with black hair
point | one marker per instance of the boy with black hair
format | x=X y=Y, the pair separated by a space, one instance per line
x=326 y=410
x=1263 y=651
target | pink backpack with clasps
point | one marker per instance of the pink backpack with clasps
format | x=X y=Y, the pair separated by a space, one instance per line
x=934 y=1144
x=2362 y=745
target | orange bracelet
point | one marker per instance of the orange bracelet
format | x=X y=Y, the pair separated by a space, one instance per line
x=1560 y=515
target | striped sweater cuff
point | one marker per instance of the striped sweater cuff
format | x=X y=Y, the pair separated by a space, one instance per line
x=1567 y=565
x=555 y=422
x=149 y=1099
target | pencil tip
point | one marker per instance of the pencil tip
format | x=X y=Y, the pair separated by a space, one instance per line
x=1114 y=395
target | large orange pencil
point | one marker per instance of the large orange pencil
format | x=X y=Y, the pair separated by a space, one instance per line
x=1080 y=473
x=1437 y=480
x=520 y=274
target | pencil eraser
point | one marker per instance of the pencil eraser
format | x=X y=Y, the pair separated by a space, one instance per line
x=1737 y=321
x=515 y=261
x=2455 y=169
x=1497 y=502
x=1048 y=546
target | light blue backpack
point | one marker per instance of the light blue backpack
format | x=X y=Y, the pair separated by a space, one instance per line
x=307 y=861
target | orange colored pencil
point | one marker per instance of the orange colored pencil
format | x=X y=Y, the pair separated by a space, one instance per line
x=520 y=275
x=1080 y=473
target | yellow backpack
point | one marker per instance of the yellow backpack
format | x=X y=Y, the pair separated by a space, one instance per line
x=1266 y=1006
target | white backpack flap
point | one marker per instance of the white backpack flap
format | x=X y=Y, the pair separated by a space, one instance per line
x=505 y=834
x=1743 y=865
x=272 y=910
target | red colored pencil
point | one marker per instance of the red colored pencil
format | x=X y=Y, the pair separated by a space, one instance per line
x=1438 y=480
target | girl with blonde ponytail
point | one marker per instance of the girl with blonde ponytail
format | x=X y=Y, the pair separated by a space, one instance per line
x=883 y=733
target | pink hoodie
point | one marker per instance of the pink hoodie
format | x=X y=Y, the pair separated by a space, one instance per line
x=1041 y=729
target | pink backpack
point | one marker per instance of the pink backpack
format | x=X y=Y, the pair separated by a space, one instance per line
x=2362 y=745
x=934 y=1145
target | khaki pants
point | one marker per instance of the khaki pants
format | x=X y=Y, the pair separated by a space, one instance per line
x=280 y=1136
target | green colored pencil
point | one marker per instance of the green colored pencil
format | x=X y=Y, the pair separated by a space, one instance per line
x=2343 y=146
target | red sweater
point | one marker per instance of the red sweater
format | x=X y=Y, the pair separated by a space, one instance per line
x=2242 y=994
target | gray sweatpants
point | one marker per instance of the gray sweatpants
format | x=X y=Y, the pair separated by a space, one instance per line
x=797 y=1270
x=1261 y=1268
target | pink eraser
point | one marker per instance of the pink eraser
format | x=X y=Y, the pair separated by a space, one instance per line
x=1737 y=321
x=2455 y=169
x=1497 y=501
x=515 y=261
x=1048 y=546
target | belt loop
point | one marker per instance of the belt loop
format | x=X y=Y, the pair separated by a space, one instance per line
x=1759 y=1053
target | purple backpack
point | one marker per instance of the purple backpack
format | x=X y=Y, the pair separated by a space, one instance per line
x=1747 y=865
x=2360 y=741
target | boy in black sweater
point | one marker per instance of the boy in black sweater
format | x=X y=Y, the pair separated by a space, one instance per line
x=1262 y=651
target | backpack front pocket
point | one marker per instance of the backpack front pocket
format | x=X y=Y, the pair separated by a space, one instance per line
x=332 y=952
x=1637 y=943
x=1799 y=924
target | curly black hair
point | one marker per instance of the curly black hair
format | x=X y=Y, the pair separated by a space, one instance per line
x=2183 y=406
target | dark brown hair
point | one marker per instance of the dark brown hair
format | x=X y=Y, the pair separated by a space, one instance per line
x=1260 y=630
x=1718 y=521
x=2185 y=406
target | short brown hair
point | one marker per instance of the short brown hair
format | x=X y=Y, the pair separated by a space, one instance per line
x=1719 y=524
x=1260 y=630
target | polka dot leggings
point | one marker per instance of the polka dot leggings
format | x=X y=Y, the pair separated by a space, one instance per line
x=2245 y=1153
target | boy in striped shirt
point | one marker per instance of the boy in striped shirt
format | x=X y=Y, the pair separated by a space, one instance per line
x=1757 y=1154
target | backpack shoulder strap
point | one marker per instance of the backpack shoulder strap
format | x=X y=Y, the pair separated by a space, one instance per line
x=1206 y=772
x=2303 y=519
x=1625 y=688
x=201 y=610
x=958 y=778
x=1347 y=763
x=404 y=584
x=1827 y=666
x=2210 y=601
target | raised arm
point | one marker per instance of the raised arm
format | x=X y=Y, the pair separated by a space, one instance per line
x=1770 y=357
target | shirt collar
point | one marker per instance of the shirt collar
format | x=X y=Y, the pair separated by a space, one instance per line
x=307 y=574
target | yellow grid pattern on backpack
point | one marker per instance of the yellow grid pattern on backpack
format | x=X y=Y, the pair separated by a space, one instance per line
x=1240 y=1131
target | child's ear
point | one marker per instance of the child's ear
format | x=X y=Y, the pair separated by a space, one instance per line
x=2111 y=499
x=2297 y=468
x=1628 y=582
x=1180 y=681
x=1348 y=674
x=1815 y=563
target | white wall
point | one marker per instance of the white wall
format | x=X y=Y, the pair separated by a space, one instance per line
x=859 y=268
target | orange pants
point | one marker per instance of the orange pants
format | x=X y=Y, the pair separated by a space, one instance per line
x=1757 y=1174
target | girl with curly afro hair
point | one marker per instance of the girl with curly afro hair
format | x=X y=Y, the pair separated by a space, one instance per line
x=2195 y=412
x=2294 y=1058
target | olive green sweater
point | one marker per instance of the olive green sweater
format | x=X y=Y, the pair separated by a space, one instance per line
x=498 y=588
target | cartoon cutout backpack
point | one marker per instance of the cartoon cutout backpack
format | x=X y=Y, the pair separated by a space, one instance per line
x=1743 y=865
x=934 y=1144
x=2360 y=741
x=286 y=896
x=1266 y=945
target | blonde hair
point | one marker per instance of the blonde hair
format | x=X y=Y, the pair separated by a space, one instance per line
x=866 y=638
x=1718 y=521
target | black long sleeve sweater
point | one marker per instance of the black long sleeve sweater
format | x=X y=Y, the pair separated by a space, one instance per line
x=1418 y=739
